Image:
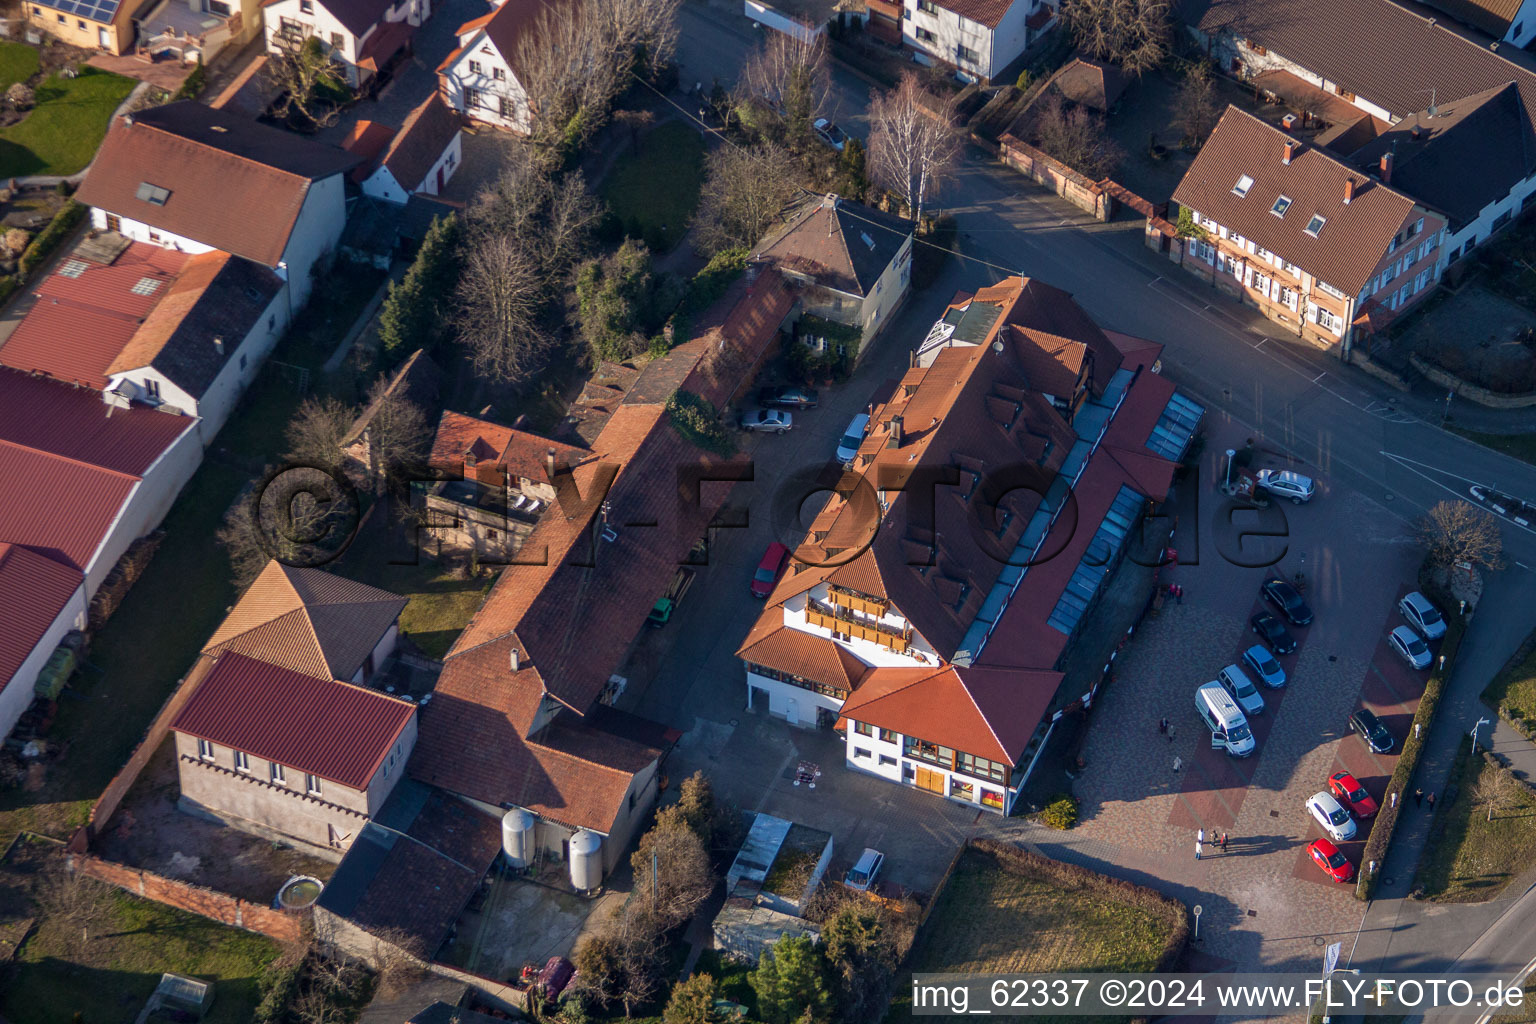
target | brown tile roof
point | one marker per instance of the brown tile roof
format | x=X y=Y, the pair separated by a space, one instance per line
x=335 y=730
x=989 y=712
x=366 y=140
x=1091 y=83
x=383 y=43
x=1354 y=238
x=216 y=297
x=1491 y=16
x=845 y=245
x=599 y=397
x=987 y=12
x=34 y=589
x=233 y=184
x=499 y=451
x=421 y=141
x=732 y=351
x=508 y=25
x=777 y=646
x=307 y=620
x=356 y=16
x=1377 y=49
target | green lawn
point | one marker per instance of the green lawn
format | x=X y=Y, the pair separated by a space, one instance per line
x=1469 y=858
x=653 y=190
x=1520 y=446
x=1037 y=916
x=1513 y=691
x=60 y=134
x=136 y=941
x=18 y=62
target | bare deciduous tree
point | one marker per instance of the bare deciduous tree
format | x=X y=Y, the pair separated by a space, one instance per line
x=622 y=963
x=300 y=515
x=1076 y=136
x=672 y=873
x=789 y=75
x=501 y=298
x=744 y=190
x=913 y=142
x=1195 y=110
x=317 y=430
x=1498 y=790
x=301 y=82
x=398 y=434
x=1133 y=33
x=77 y=903
x=1456 y=531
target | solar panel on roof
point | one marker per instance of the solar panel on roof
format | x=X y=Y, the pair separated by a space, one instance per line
x=72 y=268
x=145 y=286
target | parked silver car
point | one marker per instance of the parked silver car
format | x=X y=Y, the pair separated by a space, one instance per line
x=1332 y=816
x=1411 y=646
x=1285 y=484
x=773 y=421
x=1422 y=616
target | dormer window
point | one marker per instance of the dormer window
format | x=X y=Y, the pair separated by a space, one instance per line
x=1243 y=185
x=469 y=459
x=1281 y=205
x=1316 y=224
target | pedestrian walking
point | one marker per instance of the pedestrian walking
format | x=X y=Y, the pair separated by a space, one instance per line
x=1223 y=842
x=1197 y=849
x=1170 y=732
x=1418 y=797
x=1178 y=593
x=1178 y=762
x=1162 y=726
x=1431 y=799
x=1199 y=842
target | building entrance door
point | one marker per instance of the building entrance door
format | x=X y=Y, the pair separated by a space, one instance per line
x=930 y=780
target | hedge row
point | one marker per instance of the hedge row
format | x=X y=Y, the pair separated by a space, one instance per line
x=49 y=238
x=1413 y=745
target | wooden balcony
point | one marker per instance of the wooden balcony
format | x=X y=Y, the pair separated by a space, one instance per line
x=828 y=617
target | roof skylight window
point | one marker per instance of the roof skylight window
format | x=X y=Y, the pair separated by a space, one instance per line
x=1243 y=185
x=1316 y=224
x=152 y=193
x=1281 y=205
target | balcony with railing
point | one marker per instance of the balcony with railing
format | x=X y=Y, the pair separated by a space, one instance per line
x=842 y=620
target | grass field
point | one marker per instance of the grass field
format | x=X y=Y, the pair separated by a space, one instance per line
x=1471 y=859
x=58 y=977
x=1520 y=446
x=1513 y=691
x=18 y=62
x=654 y=190
x=60 y=134
x=1034 y=915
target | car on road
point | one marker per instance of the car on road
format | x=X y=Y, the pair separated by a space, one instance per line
x=1351 y=794
x=1287 y=600
x=863 y=874
x=1371 y=729
x=1264 y=664
x=1273 y=632
x=772 y=421
x=848 y=447
x=787 y=398
x=769 y=569
x=1332 y=816
x=1411 y=646
x=1327 y=856
x=1284 y=484
x=1236 y=682
x=1422 y=616
x=830 y=133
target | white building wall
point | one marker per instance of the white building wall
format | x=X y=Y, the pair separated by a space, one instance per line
x=950 y=31
x=1227 y=49
x=382 y=185
x=458 y=78
x=1011 y=37
x=393 y=769
x=766 y=16
x=866 y=651
x=1522 y=27
x=889 y=290
x=1480 y=230
x=795 y=704
x=448 y=162
x=141 y=232
x=318 y=22
x=315 y=234
x=873 y=755
x=17 y=695
x=241 y=367
x=147 y=503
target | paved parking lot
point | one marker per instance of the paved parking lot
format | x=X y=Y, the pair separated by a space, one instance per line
x=1265 y=903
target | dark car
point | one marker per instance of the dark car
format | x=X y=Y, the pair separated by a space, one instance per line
x=1273 y=632
x=1287 y=599
x=788 y=398
x=769 y=569
x=1370 y=728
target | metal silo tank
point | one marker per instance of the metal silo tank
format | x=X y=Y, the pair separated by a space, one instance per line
x=586 y=860
x=517 y=837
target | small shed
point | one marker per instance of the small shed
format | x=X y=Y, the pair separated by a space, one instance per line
x=1091 y=83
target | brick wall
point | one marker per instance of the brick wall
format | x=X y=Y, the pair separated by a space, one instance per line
x=282 y=925
x=1044 y=169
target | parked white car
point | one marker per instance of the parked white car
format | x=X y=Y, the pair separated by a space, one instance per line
x=1411 y=646
x=1332 y=816
x=1285 y=484
x=831 y=134
x=1422 y=616
x=863 y=874
x=853 y=437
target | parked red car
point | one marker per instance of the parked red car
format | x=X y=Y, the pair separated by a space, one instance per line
x=769 y=569
x=1334 y=863
x=1351 y=794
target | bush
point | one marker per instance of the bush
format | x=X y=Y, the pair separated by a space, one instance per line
x=193 y=86
x=49 y=238
x=1413 y=746
x=1024 y=79
x=1060 y=813
x=698 y=421
x=710 y=283
x=932 y=251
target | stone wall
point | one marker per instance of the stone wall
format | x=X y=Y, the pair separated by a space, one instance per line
x=1044 y=169
x=282 y=925
x=1471 y=392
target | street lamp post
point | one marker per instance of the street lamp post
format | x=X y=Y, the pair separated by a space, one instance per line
x=1480 y=723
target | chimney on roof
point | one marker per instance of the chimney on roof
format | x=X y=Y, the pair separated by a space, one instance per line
x=1349 y=190
x=549 y=463
x=894 y=441
x=516 y=660
x=1417 y=132
x=1292 y=147
x=1386 y=168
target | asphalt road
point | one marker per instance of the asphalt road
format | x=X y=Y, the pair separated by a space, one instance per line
x=1330 y=417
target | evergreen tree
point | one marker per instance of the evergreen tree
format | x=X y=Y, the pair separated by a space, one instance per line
x=416 y=305
x=791 y=982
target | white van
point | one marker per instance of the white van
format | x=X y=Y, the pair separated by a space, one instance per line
x=1237 y=683
x=1229 y=729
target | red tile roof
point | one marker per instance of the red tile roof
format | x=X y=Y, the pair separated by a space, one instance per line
x=383 y=43
x=988 y=711
x=366 y=139
x=232 y=183
x=88 y=312
x=497 y=448
x=1356 y=235
x=422 y=140
x=337 y=731
x=987 y=12
x=511 y=23
x=34 y=589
